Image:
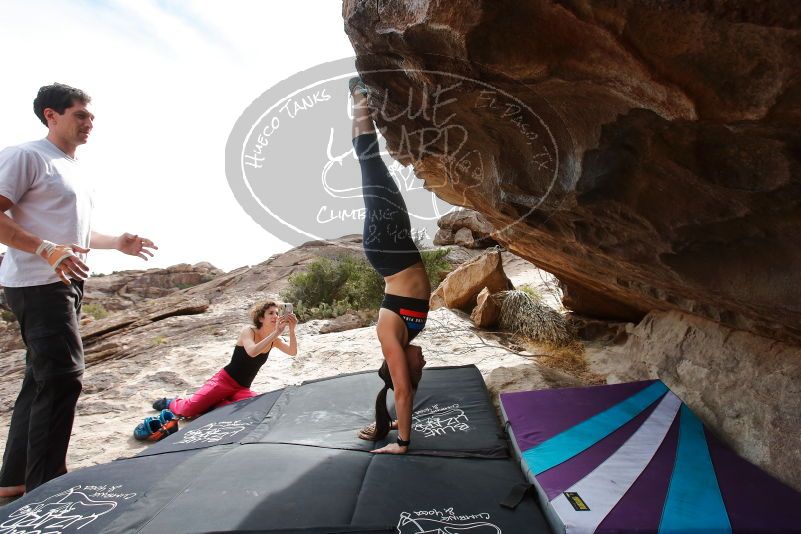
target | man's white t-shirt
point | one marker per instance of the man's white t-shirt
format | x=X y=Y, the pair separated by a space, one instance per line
x=50 y=200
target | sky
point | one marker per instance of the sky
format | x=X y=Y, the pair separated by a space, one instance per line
x=168 y=80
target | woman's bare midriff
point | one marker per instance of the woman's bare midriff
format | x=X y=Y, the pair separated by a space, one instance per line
x=410 y=282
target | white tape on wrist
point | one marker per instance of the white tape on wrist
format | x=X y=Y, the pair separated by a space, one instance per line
x=54 y=254
x=59 y=254
x=45 y=246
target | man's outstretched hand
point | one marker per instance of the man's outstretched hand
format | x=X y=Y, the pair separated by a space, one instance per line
x=135 y=245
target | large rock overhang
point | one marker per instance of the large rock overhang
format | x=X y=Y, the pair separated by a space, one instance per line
x=644 y=154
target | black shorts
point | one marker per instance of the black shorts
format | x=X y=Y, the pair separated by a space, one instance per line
x=414 y=312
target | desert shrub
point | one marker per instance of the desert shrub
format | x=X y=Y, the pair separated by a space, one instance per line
x=332 y=287
x=545 y=331
x=7 y=316
x=530 y=319
x=532 y=292
x=94 y=309
x=322 y=310
x=364 y=288
x=437 y=266
x=321 y=282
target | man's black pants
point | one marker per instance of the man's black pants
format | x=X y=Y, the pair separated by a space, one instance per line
x=41 y=424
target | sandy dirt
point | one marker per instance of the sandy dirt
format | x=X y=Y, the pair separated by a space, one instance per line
x=176 y=355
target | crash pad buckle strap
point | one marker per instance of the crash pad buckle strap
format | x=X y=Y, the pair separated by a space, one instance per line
x=504 y=433
x=517 y=494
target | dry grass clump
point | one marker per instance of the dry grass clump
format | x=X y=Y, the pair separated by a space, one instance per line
x=546 y=331
x=570 y=359
x=527 y=317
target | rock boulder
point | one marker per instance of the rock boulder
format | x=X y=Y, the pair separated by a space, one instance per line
x=746 y=387
x=487 y=310
x=466 y=228
x=120 y=290
x=349 y=321
x=645 y=151
x=461 y=287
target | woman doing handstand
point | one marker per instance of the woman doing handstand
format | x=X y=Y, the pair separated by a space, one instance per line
x=390 y=249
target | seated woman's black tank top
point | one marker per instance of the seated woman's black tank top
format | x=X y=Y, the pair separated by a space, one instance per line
x=243 y=368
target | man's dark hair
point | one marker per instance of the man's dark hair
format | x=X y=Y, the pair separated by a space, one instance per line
x=58 y=97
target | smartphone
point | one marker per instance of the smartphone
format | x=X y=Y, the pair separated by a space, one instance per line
x=287 y=309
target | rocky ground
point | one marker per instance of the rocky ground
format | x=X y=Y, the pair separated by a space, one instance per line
x=172 y=343
x=169 y=338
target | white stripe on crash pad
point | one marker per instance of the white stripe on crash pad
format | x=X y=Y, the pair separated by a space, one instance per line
x=603 y=488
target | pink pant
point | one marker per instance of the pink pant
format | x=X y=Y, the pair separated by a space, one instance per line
x=218 y=390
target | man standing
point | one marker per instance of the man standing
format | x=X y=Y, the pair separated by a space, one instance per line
x=48 y=236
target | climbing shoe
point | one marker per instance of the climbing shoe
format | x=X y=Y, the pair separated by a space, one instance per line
x=156 y=428
x=356 y=85
x=162 y=403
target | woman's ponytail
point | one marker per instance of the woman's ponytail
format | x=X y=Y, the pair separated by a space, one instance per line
x=383 y=421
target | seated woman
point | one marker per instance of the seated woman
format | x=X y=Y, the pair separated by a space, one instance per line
x=390 y=249
x=232 y=382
